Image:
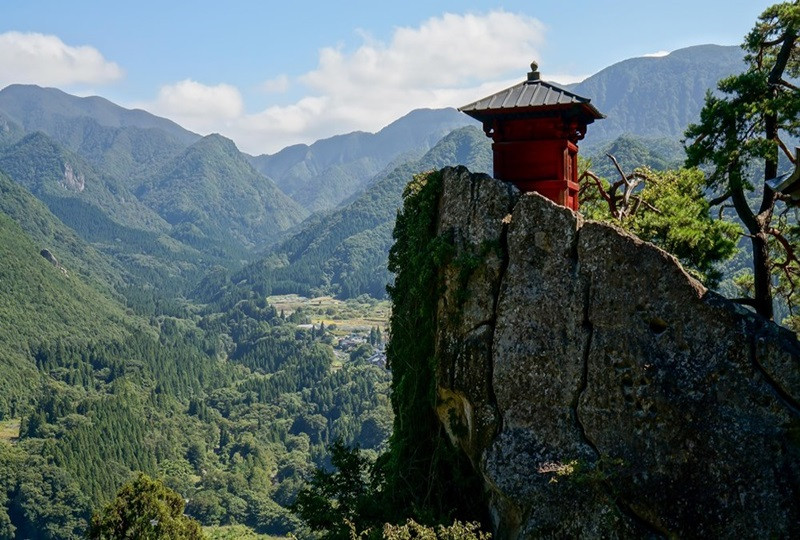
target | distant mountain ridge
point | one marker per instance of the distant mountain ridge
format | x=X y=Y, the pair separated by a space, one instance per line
x=344 y=252
x=169 y=202
x=36 y=108
x=327 y=172
x=656 y=96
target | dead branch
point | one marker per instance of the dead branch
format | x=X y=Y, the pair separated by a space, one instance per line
x=612 y=206
x=619 y=169
x=786 y=151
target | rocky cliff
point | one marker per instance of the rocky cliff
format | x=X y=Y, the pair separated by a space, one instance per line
x=599 y=390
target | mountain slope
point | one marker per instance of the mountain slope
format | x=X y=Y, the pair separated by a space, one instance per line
x=324 y=174
x=43 y=301
x=118 y=141
x=632 y=152
x=345 y=251
x=656 y=96
x=46 y=230
x=54 y=173
x=214 y=198
x=42 y=109
x=101 y=211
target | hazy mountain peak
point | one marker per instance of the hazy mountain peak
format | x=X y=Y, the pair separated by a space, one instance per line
x=217 y=142
x=329 y=171
x=656 y=96
x=34 y=107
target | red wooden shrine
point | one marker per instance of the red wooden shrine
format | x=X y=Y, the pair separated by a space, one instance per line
x=536 y=126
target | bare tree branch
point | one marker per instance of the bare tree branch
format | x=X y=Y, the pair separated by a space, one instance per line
x=619 y=169
x=603 y=193
x=786 y=151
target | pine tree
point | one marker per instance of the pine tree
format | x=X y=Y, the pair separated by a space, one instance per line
x=743 y=126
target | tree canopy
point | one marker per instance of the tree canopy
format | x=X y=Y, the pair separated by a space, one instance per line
x=144 y=508
x=667 y=208
x=745 y=124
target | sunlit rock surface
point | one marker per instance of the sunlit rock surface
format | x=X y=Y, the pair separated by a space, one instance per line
x=598 y=389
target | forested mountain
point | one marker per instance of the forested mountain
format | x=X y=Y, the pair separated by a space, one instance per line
x=101 y=212
x=656 y=97
x=52 y=172
x=107 y=172
x=47 y=231
x=51 y=110
x=344 y=252
x=44 y=298
x=108 y=364
x=231 y=407
x=214 y=199
x=324 y=174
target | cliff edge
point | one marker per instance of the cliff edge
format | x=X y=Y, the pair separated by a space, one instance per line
x=597 y=388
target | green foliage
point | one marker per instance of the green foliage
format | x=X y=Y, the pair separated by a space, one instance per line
x=235 y=532
x=336 y=499
x=144 y=508
x=102 y=394
x=42 y=302
x=673 y=214
x=424 y=475
x=741 y=127
x=40 y=501
x=457 y=531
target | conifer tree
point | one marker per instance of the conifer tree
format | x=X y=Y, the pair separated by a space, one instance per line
x=744 y=126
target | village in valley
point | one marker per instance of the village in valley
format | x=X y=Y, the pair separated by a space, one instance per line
x=356 y=328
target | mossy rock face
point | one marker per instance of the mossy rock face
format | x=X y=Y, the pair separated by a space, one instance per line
x=598 y=389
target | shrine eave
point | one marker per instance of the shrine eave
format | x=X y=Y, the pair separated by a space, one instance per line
x=530 y=96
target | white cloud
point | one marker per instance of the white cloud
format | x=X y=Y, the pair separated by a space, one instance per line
x=657 y=54
x=33 y=58
x=446 y=61
x=197 y=106
x=278 y=85
x=563 y=78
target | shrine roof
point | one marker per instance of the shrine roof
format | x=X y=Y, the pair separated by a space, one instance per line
x=531 y=93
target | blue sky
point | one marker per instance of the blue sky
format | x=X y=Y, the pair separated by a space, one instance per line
x=268 y=74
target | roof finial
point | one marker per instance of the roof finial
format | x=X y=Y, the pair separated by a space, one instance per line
x=533 y=74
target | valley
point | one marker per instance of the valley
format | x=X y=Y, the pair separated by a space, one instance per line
x=172 y=305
